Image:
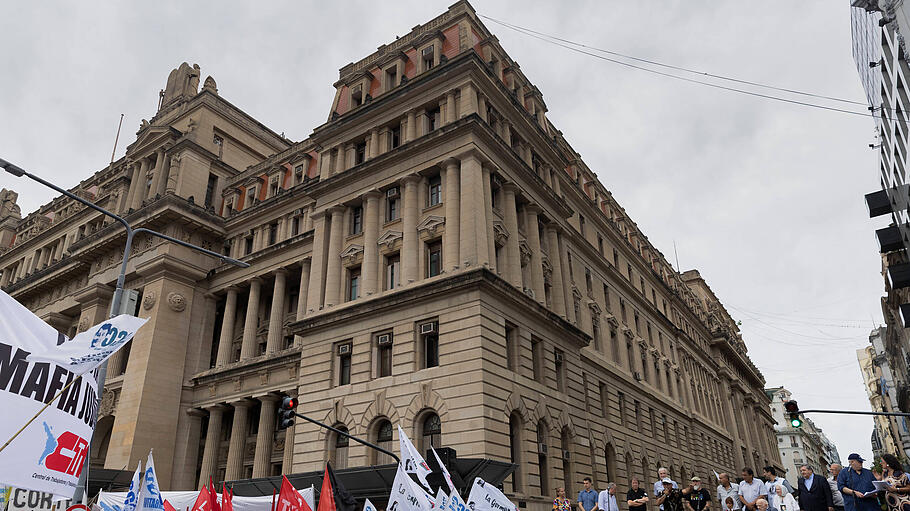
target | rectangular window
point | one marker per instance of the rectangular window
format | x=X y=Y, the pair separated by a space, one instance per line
x=571 y=270
x=299 y=173
x=295 y=225
x=248 y=245
x=581 y=224
x=629 y=271
x=360 y=152
x=622 y=407
x=384 y=354
x=560 y=366
x=511 y=336
x=433 y=119
x=537 y=359
x=344 y=363
x=356 y=220
x=638 y=415
x=600 y=244
x=210 y=189
x=273 y=233
x=395 y=137
x=391 y=77
x=589 y=282
x=434 y=259
x=615 y=258
x=273 y=188
x=604 y=400
x=434 y=191
x=426 y=58
x=250 y=196
x=607 y=297
x=429 y=333
x=392 y=271
x=393 y=205
x=353 y=283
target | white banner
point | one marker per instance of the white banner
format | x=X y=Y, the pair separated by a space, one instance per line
x=87 y=350
x=150 y=496
x=30 y=500
x=455 y=503
x=182 y=500
x=486 y=497
x=49 y=454
x=441 y=500
x=407 y=495
x=411 y=459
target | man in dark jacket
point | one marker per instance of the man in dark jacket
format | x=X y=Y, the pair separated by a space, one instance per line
x=814 y=491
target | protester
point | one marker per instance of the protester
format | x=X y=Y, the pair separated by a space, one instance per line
x=856 y=485
x=670 y=498
x=561 y=503
x=587 y=498
x=836 y=496
x=695 y=497
x=814 y=492
x=662 y=473
x=636 y=497
x=751 y=489
x=727 y=489
x=771 y=479
x=782 y=500
x=606 y=501
x=898 y=498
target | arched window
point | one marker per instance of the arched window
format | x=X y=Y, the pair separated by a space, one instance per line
x=515 y=427
x=339 y=448
x=610 y=458
x=568 y=474
x=382 y=435
x=542 y=448
x=629 y=473
x=430 y=433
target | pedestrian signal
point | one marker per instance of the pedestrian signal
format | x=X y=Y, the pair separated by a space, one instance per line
x=793 y=410
x=286 y=413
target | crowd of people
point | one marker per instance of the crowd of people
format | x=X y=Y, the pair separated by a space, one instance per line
x=844 y=489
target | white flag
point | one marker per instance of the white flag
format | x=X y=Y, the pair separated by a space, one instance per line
x=89 y=349
x=150 y=494
x=48 y=455
x=407 y=495
x=445 y=472
x=455 y=503
x=441 y=500
x=486 y=497
x=368 y=506
x=132 y=496
x=411 y=458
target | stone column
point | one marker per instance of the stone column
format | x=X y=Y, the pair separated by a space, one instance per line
x=248 y=348
x=411 y=126
x=134 y=184
x=237 y=447
x=317 y=268
x=374 y=143
x=409 y=242
x=139 y=196
x=159 y=179
x=212 y=444
x=304 y=288
x=276 y=315
x=370 y=268
x=488 y=213
x=227 y=328
x=468 y=100
x=558 y=291
x=481 y=107
x=265 y=436
x=287 y=461
x=566 y=280
x=513 y=253
x=473 y=250
x=333 y=268
x=531 y=229
x=452 y=199
x=450 y=107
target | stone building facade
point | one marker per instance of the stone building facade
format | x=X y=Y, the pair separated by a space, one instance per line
x=889 y=434
x=435 y=255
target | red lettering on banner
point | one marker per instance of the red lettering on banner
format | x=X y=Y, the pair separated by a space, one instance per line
x=69 y=455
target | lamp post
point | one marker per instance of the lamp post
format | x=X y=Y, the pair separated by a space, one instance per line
x=118 y=290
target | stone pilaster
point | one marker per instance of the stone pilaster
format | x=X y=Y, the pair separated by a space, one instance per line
x=473 y=250
x=227 y=328
x=237 y=447
x=558 y=293
x=265 y=436
x=248 y=347
x=304 y=288
x=468 y=100
x=488 y=214
x=411 y=126
x=532 y=231
x=409 y=245
x=450 y=107
x=512 y=270
x=452 y=199
x=212 y=444
x=333 y=268
x=370 y=267
x=276 y=314
x=139 y=195
x=317 y=268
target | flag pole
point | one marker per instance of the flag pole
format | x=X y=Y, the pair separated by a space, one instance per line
x=273 y=500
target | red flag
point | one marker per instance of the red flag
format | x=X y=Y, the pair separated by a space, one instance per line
x=168 y=506
x=289 y=499
x=203 y=501
x=226 y=495
x=213 y=495
x=327 y=493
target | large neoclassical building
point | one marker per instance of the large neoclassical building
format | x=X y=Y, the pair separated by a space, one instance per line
x=435 y=255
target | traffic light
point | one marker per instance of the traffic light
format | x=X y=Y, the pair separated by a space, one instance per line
x=286 y=413
x=793 y=410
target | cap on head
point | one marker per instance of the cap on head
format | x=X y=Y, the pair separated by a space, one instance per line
x=855 y=456
x=667 y=480
x=696 y=479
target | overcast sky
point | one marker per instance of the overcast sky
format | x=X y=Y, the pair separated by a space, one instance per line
x=765 y=199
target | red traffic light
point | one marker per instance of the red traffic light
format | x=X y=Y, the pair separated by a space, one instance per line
x=288 y=403
x=286 y=413
x=791 y=407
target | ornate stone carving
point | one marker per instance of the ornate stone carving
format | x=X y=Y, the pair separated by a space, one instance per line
x=525 y=251
x=176 y=302
x=430 y=225
x=83 y=323
x=500 y=233
x=181 y=82
x=148 y=301
x=108 y=403
x=209 y=85
x=389 y=238
x=352 y=254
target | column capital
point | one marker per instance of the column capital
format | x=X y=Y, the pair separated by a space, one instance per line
x=197 y=412
x=449 y=162
x=282 y=270
x=306 y=261
x=372 y=194
x=94 y=293
x=232 y=288
x=255 y=280
x=335 y=210
x=242 y=403
x=510 y=187
x=270 y=396
x=217 y=406
x=533 y=208
x=553 y=227
x=411 y=178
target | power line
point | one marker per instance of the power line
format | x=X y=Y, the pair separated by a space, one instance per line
x=678 y=68
x=683 y=78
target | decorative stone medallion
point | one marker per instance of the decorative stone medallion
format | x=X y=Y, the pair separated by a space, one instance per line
x=176 y=301
x=148 y=301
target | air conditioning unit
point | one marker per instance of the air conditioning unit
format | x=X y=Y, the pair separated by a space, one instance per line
x=392 y=193
x=637 y=375
x=428 y=328
x=344 y=349
x=566 y=454
x=542 y=449
x=384 y=339
x=559 y=357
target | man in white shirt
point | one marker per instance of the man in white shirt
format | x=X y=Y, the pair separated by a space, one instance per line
x=606 y=501
x=728 y=488
x=751 y=490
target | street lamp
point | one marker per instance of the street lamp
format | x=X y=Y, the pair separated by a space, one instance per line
x=118 y=290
